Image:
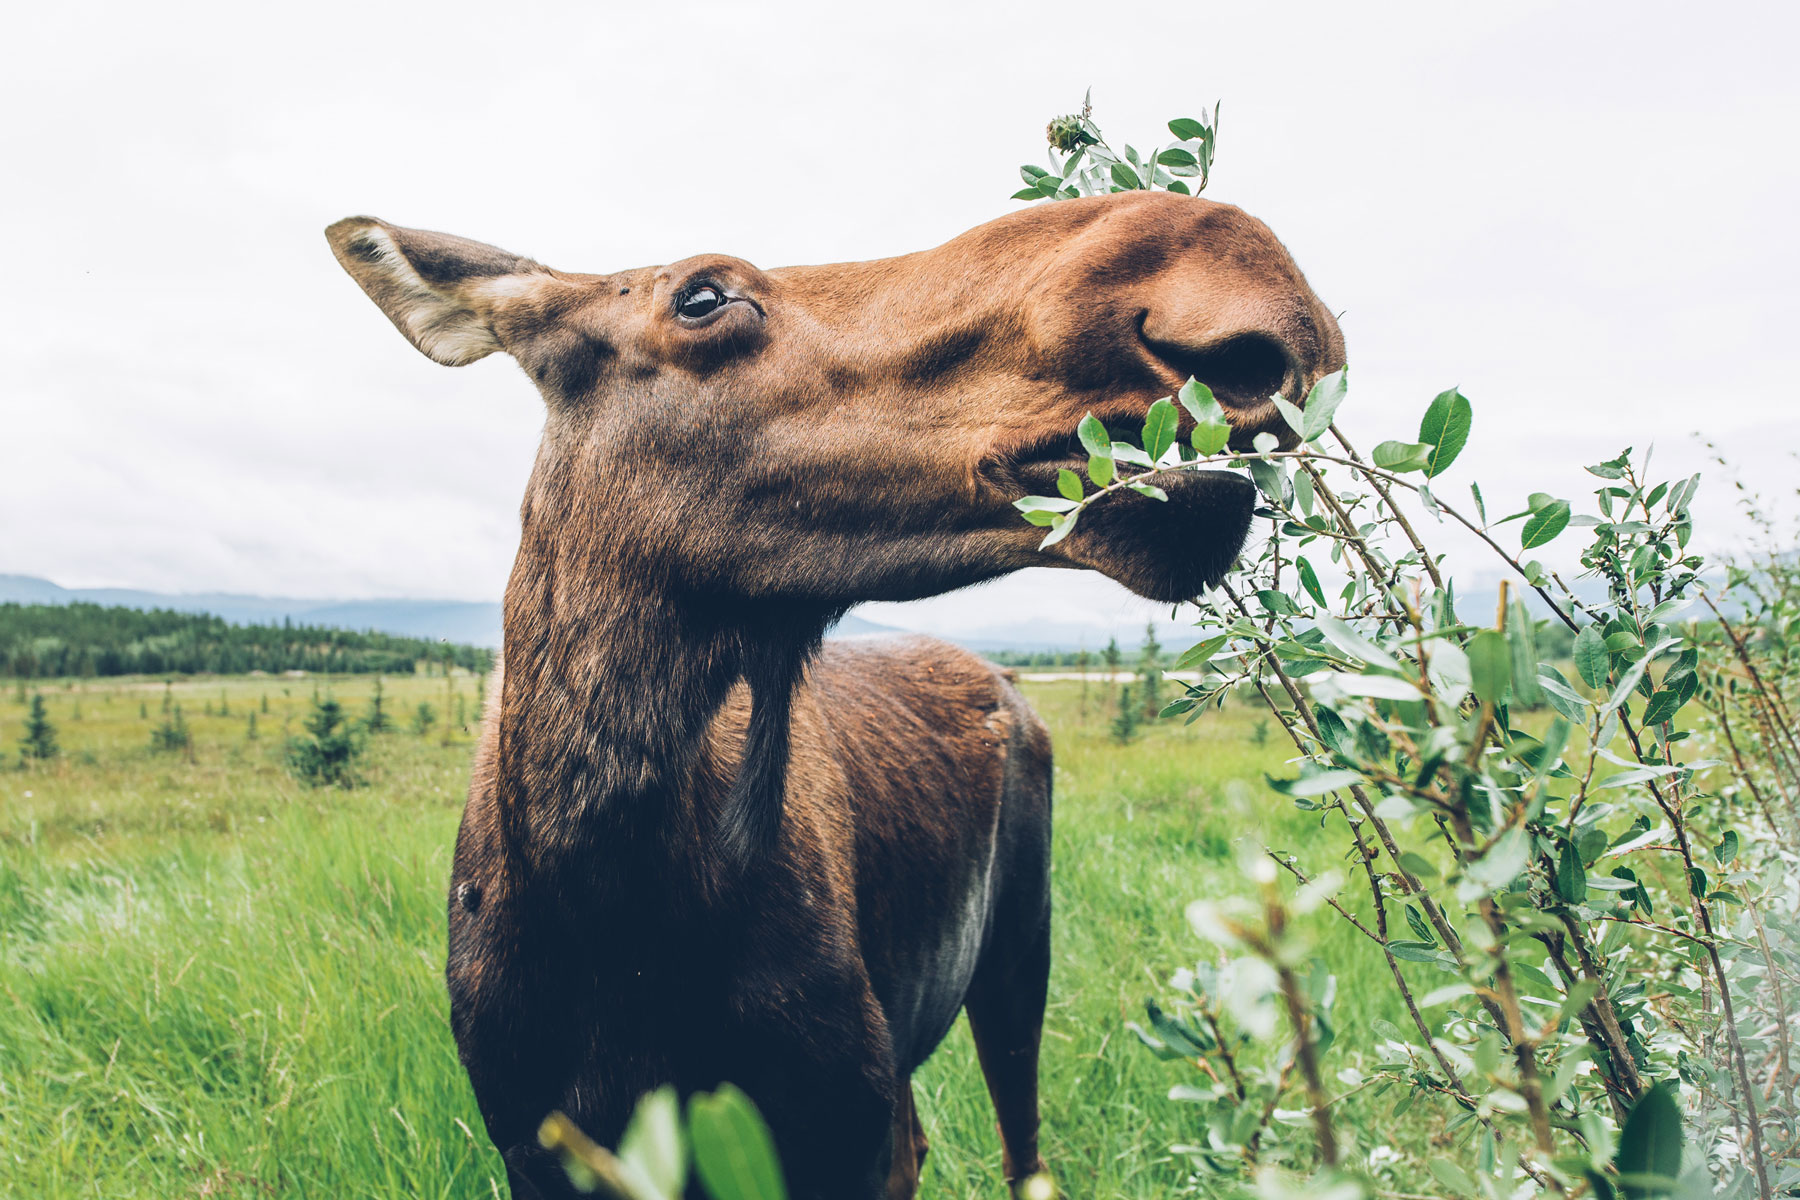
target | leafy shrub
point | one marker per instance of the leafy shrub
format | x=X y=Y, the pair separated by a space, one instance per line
x=1580 y=881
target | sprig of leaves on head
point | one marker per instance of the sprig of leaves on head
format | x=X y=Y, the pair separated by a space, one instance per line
x=1082 y=164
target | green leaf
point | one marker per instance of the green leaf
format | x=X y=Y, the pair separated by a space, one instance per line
x=1159 y=428
x=1044 y=504
x=1200 y=652
x=1309 y=580
x=1563 y=698
x=1417 y=865
x=1480 y=506
x=1148 y=489
x=1210 y=439
x=1175 y=156
x=1413 y=951
x=1521 y=636
x=1322 y=403
x=1268 y=479
x=1649 y=1158
x=1452 y=1177
x=1445 y=429
x=1571 y=874
x=1592 y=662
x=1400 y=457
x=1211 y=430
x=1545 y=523
x=1296 y=420
x=1060 y=528
x=1126 y=178
x=1416 y=921
x=1101 y=469
x=1503 y=862
x=1094 y=439
x=1490 y=665
x=651 y=1145
x=1355 y=645
x=1317 y=784
x=733 y=1152
x=1069 y=484
x=1662 y=707
x=1727 y=848
x=1198 y=399
x=1186 y=128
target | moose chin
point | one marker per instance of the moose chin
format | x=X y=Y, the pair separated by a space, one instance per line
x=701 y=844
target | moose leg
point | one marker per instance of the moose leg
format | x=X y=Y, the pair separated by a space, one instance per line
x=1006 y=1016
x=909 y=1148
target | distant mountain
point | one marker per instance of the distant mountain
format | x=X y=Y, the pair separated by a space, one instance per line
x=470 y=621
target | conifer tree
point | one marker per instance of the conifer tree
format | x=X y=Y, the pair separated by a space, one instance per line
x=377 y=720
x=326 y=756
x=1081 y=664
x=173 y=736
x=1112 y=657
x=1125 y=725
x=1150 y=671
x=424 y=717
x=40 y=734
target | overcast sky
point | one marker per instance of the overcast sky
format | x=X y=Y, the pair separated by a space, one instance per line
x=1581 y=214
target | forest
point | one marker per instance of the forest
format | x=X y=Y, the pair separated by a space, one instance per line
x=40 y=641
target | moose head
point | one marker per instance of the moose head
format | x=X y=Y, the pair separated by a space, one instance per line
x=858 y=431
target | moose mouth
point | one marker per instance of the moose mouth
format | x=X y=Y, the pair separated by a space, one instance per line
x=1167 y=550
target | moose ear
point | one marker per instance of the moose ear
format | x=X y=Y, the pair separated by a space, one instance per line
x=438 y=290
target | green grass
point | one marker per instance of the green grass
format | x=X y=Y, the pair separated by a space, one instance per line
x=217 y=982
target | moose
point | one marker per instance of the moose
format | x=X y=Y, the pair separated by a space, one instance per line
x=704 y=844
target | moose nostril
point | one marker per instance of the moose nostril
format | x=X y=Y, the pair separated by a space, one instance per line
x=1242 y=371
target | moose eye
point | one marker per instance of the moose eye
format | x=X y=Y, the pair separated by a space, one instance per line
x=700 y=302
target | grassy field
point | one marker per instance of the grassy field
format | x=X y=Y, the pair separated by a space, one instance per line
x=217 y=982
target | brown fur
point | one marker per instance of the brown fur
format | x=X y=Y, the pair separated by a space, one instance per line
x=699 y=846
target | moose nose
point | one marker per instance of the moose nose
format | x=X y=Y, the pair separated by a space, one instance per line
x=1245 y=371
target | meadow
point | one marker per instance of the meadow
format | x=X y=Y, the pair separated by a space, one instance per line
x=216 y=981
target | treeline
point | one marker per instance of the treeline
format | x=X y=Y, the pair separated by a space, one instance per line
x=1044 y=658
x=50 y=640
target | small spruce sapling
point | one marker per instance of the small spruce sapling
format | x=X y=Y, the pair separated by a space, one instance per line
x=1150 y=672
x=377 y=719
x=172 y=736
x=326 y=756
x=40 y=734
x=1125 y=725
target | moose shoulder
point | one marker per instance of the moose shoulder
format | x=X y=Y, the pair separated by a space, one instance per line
x=700 y=845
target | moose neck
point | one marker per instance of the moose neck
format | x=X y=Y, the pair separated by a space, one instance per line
x=615 y=676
